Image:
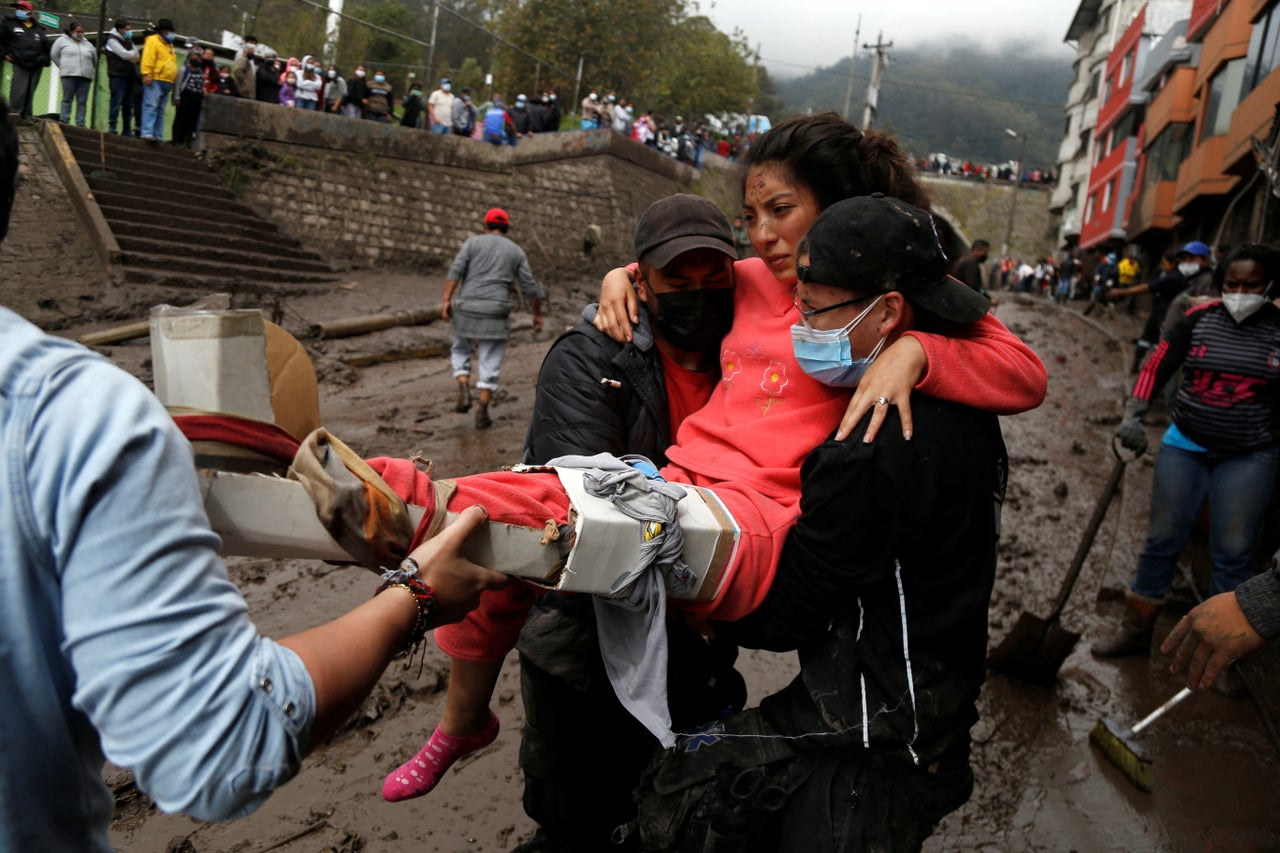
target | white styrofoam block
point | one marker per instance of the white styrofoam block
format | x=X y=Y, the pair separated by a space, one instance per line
x=214 y=361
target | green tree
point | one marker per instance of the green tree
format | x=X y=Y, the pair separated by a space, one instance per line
x=708 y=72
x=622 y=45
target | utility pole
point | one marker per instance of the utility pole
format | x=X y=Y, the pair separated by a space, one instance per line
x=577 y=91
x=853 y=58
x=878 y=63
x=431 y=52
x=332 y=30
x=1017 y=185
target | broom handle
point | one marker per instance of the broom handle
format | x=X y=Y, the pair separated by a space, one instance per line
x=1159 y=712
x=1090 y=533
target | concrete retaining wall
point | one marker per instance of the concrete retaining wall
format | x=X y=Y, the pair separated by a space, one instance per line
x=364 y=194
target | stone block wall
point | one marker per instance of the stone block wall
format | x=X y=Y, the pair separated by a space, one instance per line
x=981 y=208
x=367 y=194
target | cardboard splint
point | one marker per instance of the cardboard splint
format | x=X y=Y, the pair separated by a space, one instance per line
x=218 y=361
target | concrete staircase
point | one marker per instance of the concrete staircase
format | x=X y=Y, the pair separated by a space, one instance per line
x=177 y=226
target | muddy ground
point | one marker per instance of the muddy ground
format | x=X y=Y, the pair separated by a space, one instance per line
x=1040 y=786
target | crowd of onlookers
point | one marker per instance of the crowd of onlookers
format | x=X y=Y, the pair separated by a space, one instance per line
x=145 y=74
x=941 y=164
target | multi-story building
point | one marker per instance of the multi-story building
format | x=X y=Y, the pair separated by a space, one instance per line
x=1095 y=28
x=1167 y=80
x=1185 y=138
x=1227 y=182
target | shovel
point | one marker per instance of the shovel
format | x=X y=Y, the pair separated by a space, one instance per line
x=1035 y=649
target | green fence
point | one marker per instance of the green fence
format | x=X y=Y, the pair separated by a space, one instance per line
x=47 y=100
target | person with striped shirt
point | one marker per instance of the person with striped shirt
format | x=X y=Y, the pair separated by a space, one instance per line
x=1221 y=444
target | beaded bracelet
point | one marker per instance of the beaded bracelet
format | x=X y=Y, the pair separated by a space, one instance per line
x=423 y=595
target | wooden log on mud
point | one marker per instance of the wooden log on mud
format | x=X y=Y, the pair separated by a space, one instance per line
x=116 y=334
x=373 y=323
x=142 y=328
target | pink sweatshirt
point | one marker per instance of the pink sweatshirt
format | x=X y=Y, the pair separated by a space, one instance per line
x=747 y=444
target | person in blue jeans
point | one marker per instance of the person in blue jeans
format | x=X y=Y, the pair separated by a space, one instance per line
x=122 y=73
x=159 y=68
x=1220 y=446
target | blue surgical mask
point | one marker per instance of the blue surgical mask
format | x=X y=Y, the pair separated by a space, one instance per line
x=128 y=34
x=168 y=37
x=21 y=15
x=826 y=355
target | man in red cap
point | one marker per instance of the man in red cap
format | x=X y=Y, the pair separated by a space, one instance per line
x=487 y=266
x=25 y=44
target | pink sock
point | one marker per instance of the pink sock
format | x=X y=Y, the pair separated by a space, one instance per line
x=420 y=774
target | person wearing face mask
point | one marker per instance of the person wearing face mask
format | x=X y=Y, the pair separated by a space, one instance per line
x=309 y=85
x=413 y=106
x=591 y=111
x=748 y=441
x=159 y=72
x=267 y=78
x=379 y=100
x=25 y=45
x=1221 y=443
x=357 y=93
x=551 y=122
x=123 y=57
x=244 y=71
x=1195 y=262
x=289 y=90
x=188 y=96
x=440 y=104
x=76 y=59
x=464 y=114
x=685 y=252
x=335 y=90
x=1164 y=288
x=883 y=584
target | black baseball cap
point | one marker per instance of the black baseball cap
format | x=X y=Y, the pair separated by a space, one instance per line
x=679 y=223
x=877 y=244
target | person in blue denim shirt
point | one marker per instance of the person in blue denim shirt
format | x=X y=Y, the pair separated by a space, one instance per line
x=120 y=632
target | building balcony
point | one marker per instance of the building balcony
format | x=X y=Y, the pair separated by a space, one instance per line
x=1202 y=173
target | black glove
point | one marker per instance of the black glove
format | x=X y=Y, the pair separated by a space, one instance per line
x=1132 y=434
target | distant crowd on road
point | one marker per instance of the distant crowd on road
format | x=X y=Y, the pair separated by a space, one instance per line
x=146 y=73
x=941 y=164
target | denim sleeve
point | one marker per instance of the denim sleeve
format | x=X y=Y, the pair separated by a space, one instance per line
x=169 y=669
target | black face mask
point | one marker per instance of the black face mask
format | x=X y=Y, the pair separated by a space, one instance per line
x=695 y=320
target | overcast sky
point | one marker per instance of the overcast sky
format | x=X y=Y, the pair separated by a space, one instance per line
x=818 y=33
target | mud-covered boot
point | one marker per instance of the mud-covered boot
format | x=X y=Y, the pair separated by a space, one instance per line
x=464 y=397
x=1133 y=636
x=483 y=421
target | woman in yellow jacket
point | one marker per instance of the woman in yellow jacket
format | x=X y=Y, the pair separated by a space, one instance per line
x=159 y=71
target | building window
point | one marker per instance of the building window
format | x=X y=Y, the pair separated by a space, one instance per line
x=1090 y=207
x=1165 y=154
x=1094 y=80
x=1224 y=95
x=1107 y=192
x=1264 y=49
x=1066 y=129
x=1125 y=67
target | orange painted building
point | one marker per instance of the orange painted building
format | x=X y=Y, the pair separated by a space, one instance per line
x=1189 y=150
